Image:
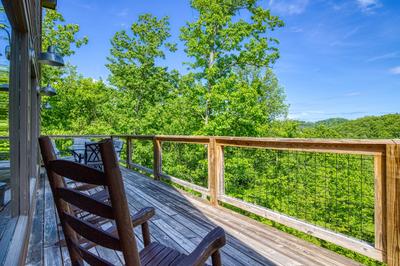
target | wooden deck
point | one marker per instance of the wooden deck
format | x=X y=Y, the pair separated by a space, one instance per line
x=181 y=222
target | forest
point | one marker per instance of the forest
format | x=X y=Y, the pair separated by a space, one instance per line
x=230 y=90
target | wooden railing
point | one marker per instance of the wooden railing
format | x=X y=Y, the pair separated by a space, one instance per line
x=386 y=160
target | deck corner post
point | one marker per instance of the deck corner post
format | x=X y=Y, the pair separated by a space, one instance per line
x=215 y=170
x=157 y=161
x=129 y=152
x=393 y=205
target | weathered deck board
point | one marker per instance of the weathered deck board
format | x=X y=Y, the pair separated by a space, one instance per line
x=36 y=248
x=181 y=222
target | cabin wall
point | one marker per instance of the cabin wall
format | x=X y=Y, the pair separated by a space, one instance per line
x=24 y=122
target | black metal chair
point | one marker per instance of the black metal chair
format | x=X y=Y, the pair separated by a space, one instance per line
x=93 y=156
x=78 y=149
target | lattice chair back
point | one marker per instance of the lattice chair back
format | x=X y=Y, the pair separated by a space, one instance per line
x=93 y=156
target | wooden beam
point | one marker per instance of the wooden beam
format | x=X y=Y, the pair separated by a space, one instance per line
x=346 y=146
x=14 y=118
x=17 y=14
x=128 y=152
x=393 y=204
x=157 y=161
x=25 y=125
x=221 y=173
x=215 y=170
x=82 y=136
x=380 y=201
x=185 y=139
x=311 y=145
x=20 y=124
x=186 y=184
x=142 y=168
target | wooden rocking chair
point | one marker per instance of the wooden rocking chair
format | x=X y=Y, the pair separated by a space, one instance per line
x=123 y=238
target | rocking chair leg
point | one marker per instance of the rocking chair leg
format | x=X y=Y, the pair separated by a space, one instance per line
x=146 y=234
x=216 y=258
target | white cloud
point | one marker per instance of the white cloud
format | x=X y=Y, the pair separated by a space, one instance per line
x=395 y=70
x=123 y=12
x=352 y=94
x=384 y=56
x=296 y=29
x=347 y=35
x=351 y=32
x=289 y=7
x=368 y=5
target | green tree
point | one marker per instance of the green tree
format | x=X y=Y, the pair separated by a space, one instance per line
x=134 y=71
x=223 y=47
x=81 y=106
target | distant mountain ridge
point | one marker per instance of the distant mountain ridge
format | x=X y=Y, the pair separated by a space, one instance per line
x=368 y=127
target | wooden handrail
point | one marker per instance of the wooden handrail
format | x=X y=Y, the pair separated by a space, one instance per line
x=386 y=170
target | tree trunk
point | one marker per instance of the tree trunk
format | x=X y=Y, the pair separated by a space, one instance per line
x=211 y=61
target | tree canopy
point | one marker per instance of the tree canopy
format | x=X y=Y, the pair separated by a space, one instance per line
x=231 y=58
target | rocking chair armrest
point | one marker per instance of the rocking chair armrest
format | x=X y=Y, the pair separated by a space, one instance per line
x=139 y=218
x=142 y=216
x=209 y=246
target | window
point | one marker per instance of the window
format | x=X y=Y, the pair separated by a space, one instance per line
x=6 y=221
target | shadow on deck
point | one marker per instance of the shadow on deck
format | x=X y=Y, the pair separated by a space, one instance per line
x=181 y=221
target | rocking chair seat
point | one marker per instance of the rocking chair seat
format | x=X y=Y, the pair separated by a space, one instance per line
x=158 y=254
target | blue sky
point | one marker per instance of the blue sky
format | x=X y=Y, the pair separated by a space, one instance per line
x=338 y=58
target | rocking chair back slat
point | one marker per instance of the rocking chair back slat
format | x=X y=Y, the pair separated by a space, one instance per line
x=86 y=203
x=77 y=172
x=92 y=233
x=89 y=257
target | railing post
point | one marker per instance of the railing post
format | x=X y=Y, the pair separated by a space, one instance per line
x=221 y=171
x=380 y=201
x=128 y=152
x=393 y=204
x=215 y=170
x=157 y=161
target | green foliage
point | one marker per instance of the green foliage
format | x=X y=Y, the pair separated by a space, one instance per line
x=188 y=162
x=369 y=127
x=140 y=82
x=329 y=190
x=231 y=60
x=81 y=106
